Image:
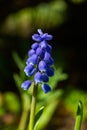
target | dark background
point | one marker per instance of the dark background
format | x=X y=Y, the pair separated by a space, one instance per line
x=70 y=36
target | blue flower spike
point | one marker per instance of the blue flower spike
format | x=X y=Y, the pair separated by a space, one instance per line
x=39 y=63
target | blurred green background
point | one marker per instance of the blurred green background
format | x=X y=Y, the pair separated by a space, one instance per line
x=66 y=20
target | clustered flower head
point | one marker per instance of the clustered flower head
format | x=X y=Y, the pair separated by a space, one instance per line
x=39 y=63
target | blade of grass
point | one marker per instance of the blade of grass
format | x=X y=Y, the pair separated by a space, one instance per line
x=79 y=116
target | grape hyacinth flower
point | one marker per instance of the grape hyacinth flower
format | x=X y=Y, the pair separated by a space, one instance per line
x=39 y=63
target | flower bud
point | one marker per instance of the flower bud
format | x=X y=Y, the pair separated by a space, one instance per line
x=46 y=88
x=26 y=84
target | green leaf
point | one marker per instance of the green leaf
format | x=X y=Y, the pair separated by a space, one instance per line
x=47 y=115
x=32 y=16
x=12 y=102
x=37 y=117
x=50 y=102
x=26 y=101
x=2 y=111
x=78 y=1
x=8 y=127
x=18 y=81
x=71 y=98
x=18 y=61
x=79 y=116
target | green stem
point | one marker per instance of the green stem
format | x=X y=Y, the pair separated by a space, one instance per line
x=25 y=111
x=33 y=107
x=22 y=123
x=79 y=116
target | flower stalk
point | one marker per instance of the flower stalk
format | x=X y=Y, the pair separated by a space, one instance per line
x=33 y=107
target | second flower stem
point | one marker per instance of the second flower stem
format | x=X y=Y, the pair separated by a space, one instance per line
x=33 y=107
